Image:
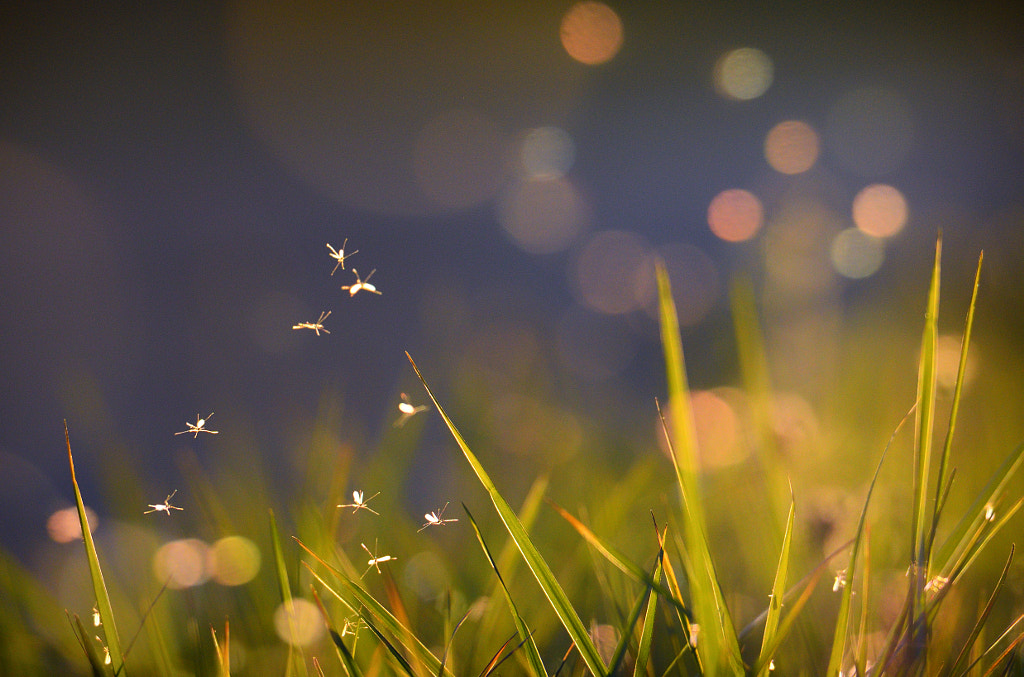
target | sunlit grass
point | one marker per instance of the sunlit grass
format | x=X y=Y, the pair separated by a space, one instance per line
x=636 y=566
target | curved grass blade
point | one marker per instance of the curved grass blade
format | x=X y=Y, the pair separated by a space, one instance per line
x=993 y=646
x=99 y=587
x=497 y=659
x=532 y=652
x=541 y=571
x=621 y=562
x=344 y=655
x=447 y=648
x=843 y=618
x=976 y=631
x=771 y=624
x=372 y=609
x=643 y=651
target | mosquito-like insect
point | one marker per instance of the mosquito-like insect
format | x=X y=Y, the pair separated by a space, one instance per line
x=352 y=627
x=374 y=560
x=198 y=427
x=317 y=326
x=436 y=518
x=96 y=617
x=165 y=506
x=408 y=410
x=360 y=504
x=361 y=284
x=339 y=255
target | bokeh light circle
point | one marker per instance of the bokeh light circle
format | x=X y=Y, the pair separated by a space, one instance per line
x=856 y=255
x=542 y=217
x=182 y=563
x=695 y=282
x=234 y=560
x=546 y=153
x=743 y=74
x=735 y=215
x=791 y=147
x=591 y=32
x=880 y=210
x=64 y=525
x=298 y=622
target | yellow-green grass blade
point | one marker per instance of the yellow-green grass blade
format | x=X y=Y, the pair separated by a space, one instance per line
x=976 y=515
x=99 y=587
x=370 y=609
x=787 y=624
x=508 y=561
x=223 y=651
x=843 y=617
x=689 y=652
x=924 y=428
x=771 y=624
x=643 y=650
x=534 y=560
x=91 y=650
x=621 y=562
x=284 y=588
x=976 y=631
x=994 y=646
x=719 y=644
x=345 y=656
x=533 y=657
x=628 y=630
x=955 y=408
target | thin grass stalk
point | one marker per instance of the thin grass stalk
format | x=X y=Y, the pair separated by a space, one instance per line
x=99 y=586
x=372 y=609
x=980 y=624
x=538 y=565
x=628 y=630
x=533 y=657
x=843 y=618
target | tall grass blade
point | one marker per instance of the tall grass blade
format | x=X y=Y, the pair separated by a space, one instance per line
x=99 y=587
x=370 y=609
x=541 y=571
x=223 y=651
x=532 y=652
x=955 y=407
x=643 y=650
x=771 y=624
x=787 y=624
x=719 y=644
x=843 y=619
x=285 y=589
x=924 y=430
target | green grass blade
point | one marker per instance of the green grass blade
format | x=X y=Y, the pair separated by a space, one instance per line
x=628 y=630
x=345 y=656
x=99 y=587
x=284 y=588
x=771 y=623
x=643 y=650
x=532 y=652
x=541 y=571
x=976 y=631
x=955 y=408
x=843 y=618
x=924 y=427
x=975 y=516
x=91 y=651
x=719 y=643
x=787 y=624
x=374 y=610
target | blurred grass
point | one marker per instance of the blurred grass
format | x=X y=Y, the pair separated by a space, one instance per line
x=724 y=551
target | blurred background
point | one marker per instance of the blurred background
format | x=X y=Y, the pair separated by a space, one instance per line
x=169 y=178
